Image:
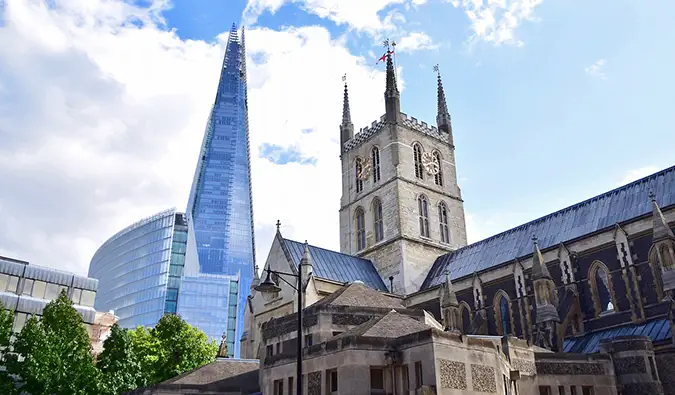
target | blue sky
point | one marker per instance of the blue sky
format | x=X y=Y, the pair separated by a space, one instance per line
x=552 y=102
x=530 y=121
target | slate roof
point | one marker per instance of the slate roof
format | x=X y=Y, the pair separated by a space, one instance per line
x=592 y=215
x=359 y=295
x=390 y=326
x=657 y=330
x=337 y=266
x=222 y=375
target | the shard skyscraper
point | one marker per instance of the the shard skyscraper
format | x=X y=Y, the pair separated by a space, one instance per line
x=219 y=261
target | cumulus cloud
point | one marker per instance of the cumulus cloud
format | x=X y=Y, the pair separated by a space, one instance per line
x=416 y=41
x=102 y=111
x=497 y=21
x=597 y=69
x=357 y=14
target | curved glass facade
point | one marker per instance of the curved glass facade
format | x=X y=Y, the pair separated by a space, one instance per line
x=139 y=269
x=220 y=258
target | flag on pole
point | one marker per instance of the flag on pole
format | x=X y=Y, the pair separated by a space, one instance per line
x=384 y=57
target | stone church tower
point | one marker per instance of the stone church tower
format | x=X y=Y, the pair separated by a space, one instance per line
x=401 y=206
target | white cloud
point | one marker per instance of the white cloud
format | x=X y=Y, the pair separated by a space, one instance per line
x=496 y=21
x=101 y=122
x=358 y=14
x=597 y=69
x=415 y=41
x=636 y=174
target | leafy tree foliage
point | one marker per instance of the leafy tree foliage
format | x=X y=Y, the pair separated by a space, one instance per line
x=6 y=320
x=52 y=356
x=172 y=347
x=118 y=363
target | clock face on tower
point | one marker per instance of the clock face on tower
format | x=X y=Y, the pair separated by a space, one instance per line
x=430 y=163
x=364 y=168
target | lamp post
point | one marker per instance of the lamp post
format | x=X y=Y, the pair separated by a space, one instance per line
x=268 y=289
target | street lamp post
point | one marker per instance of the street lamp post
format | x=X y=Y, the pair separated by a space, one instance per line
x=268 y=289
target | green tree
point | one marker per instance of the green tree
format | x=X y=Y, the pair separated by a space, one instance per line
x=171 y=348
x=6 y=321
x=118 y=363
x=52 y=356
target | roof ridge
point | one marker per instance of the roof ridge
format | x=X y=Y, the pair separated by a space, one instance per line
x=573 y=206
x=326 y=249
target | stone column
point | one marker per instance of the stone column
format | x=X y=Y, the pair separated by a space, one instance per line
x=634 y=365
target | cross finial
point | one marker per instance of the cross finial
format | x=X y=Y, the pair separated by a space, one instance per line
x=278 y=225
x=437 y=70
x=652 y=196
x=344 y=78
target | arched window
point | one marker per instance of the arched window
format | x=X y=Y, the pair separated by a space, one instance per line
x=505 y=315
x=655 y=265
x=377 y=220
x=423 y=207
x=443 y=221
x=666 y=260
x=357 y=174
x=376 y=164
x=417 y=156
x=465 y=314
x=502 y=311
x=438 y=177
x=360 y=229
x=601 y=283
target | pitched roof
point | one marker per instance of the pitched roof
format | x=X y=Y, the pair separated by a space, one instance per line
x=390 y=326
x=359 y=295
x=657 y=331
x=592 y=215
x=337 y=266
x=215 y=371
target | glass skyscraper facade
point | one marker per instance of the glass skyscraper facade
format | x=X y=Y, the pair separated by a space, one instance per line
x=139 y=269
x=219 y=264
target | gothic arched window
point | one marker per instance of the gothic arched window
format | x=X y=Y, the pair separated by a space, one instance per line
x=438 y=177
x=377 y=220
x=666 y=260
x=423 y=207
x=357 y=175
x=417 y=156
x=443 y=221
x=376 y=164
x=601 y=283
x=505 y=315
x=465 y=314
x=360 y=229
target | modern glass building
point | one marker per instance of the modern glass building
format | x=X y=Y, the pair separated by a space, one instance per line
x=139 y=269
x=219 y=264
x=27 y=289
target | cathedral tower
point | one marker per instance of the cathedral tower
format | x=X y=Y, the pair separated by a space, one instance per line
x=401 y=206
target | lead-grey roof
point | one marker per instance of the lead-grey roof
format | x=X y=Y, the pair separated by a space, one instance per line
x=601 y=212
x=337 y=266
x=657 y=331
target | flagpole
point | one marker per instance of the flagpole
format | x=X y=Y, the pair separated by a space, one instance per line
x=393 y=44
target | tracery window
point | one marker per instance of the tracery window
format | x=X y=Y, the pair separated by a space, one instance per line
x=438 y=177
x=423 y=207
x=360 y=229
x=465 y=314
x=443 y=222
x=377 y=220
x=417 y=156
x=601 y=283
x=376 y=164
x=504 y=315
x=357 y=173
